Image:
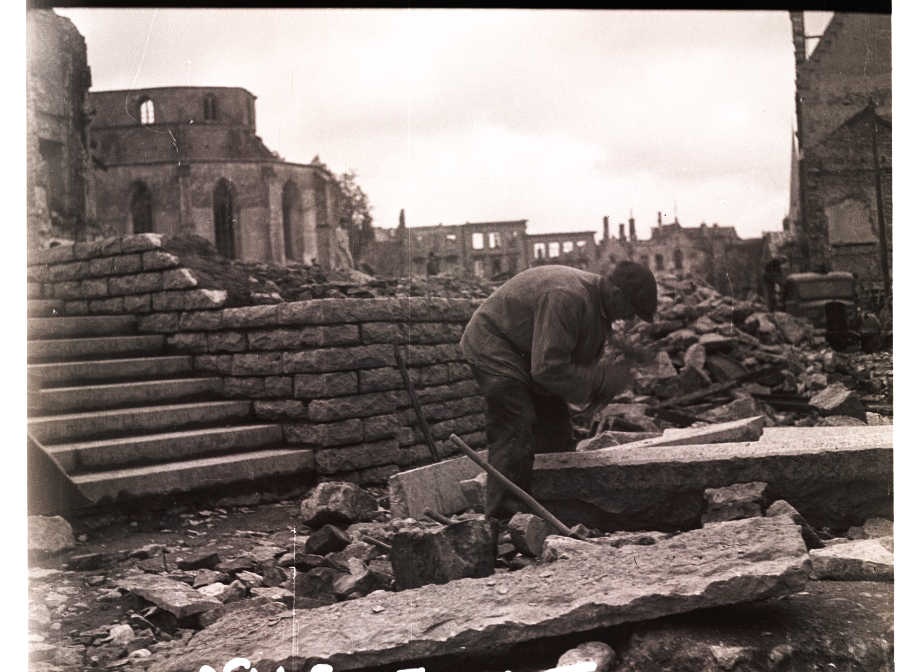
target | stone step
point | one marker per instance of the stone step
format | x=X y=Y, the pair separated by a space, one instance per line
x=44 y=307
x=70 y=427
x=188 y=475
x=117 y=395
x=138 y=368
x=126 y=451
x=62 y=350
x=81 y=326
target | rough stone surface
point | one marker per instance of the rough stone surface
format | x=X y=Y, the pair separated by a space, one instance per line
x=528 y=532
x=475 y=492
x=437 y=555
x=337 y=502
x=587 y=587
x=434 y=486
x=838 y=400
x=178 y=598
x=49 y=534
x=326 y=539
x=830 y=625
x=600 y=653
x=741 y=500
x=747 y=429
x=860 y=560
x=834 y=477
x=783 y=508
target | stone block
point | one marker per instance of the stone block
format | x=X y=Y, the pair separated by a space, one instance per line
x=244 y=387
x=88 y=249
x=860 y=560
x=337 y=311
x=423 y=355
x=142 y=242
x=317 y=584
x=528 y=532
x=356 y=406
x=475 y=492
x=179 y=278
x=434 y=486
x=226 y=341
x=353 y=458
x=158 y=323
x=250 y=316
x=383 y=332
x=325 y=434
x=71 y=308
x=337 y=503
x=384 y=378
x=466 y=549
x=52 y=255
x=189 y=299
x=601 y=654
x=138 y=303
x=327 y=539
x=199 y=559
x=434 y=332
x=302 y=338
x=256 y=364
x=783 y=508
x=139 y=283
x=380 y=427
x=436 y=374
x=375 y=475
x=34 y=290
x=187 y=342
x=70 y=289
x=278 y=387
x=113 y=306
x=747 y=429
x=75 y=270
x=741 y=500
x=838 y=400
x=466 y=424
x=280 y=410
x=48 y=535
x=441 y=309
x=457 y=371
x=175 y=597
x=157 y=260
x=463 y=388
x=201 y=320
x=94 y=288
x=339 y=359
x=118 y=265
x=213 y=364
x=447 y=410
x=318 y=385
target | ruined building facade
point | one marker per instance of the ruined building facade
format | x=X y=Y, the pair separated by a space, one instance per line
x=843 y=202
x=168 y=160
x=58 y=189
x=187 y=159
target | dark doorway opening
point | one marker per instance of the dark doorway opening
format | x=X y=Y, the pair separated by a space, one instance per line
x=141 y=209
x=225 y=218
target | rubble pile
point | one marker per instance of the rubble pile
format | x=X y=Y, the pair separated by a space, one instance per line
x=712 y=358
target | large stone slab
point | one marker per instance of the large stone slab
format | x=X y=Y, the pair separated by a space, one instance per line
x=178 y=598
x=747 y=429
x=860 y=560
x=587 y=587
x=832 y=479
x=434 y=486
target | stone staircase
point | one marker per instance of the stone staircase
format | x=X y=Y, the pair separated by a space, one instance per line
x=124 y=419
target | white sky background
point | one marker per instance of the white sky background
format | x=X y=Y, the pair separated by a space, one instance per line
x=557 y=117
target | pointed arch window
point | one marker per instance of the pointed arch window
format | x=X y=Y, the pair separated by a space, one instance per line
x=148 y=113
x=290 y=218
x=210 y=109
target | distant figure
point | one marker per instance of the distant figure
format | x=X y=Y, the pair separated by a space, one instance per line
x=433 y=266
x=773 y=280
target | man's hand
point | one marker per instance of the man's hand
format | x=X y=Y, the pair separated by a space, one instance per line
x=611 y=378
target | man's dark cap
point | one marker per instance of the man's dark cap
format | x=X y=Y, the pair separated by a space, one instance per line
x=639 y=286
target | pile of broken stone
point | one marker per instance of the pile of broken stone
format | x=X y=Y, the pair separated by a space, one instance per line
x=354 y=586
x=713 y=358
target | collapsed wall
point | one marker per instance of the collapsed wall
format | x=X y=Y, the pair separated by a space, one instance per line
x=325 y=370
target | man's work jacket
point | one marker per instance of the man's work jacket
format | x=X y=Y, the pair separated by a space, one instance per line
x=547 y=326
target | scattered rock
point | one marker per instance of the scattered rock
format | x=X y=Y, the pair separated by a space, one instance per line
x=599 y=653
x=437 y=555
x=783 y=508
x=317 y=584
x=87 y=562
x=49 y=535
x=249 y=579
x=177 y=598
x=260 y=607
x=338 y=503
x=356 y=549
x=838 y=400
x=741 y=500
x=275 y=594
x=206 y=577
x=203 y=559
x=474 y=490
x=327 y=539
x=528 y=532
x=860 y=560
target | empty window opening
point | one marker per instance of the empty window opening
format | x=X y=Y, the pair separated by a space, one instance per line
x=210 y=112
x=496 y=266
x=141 y=208
x=451 y=237
x=290 y=220
x=148 y=114
x=52 y=154
x=225 y=218
x=679 y=259
x=581 y=244
x=477 y=241
x=553 y=249
x=479 y=268
x=568 y=246
x=659 y=262
x=540 y=250
x=493 y=240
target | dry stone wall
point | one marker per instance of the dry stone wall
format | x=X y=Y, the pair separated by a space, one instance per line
x=324 y=369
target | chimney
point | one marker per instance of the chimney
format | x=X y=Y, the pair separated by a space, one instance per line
x=622 y=232
x=605 y=228
x=632 y=235
x=658 y=218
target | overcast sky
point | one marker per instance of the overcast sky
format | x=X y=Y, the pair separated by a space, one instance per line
x=557 y=117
